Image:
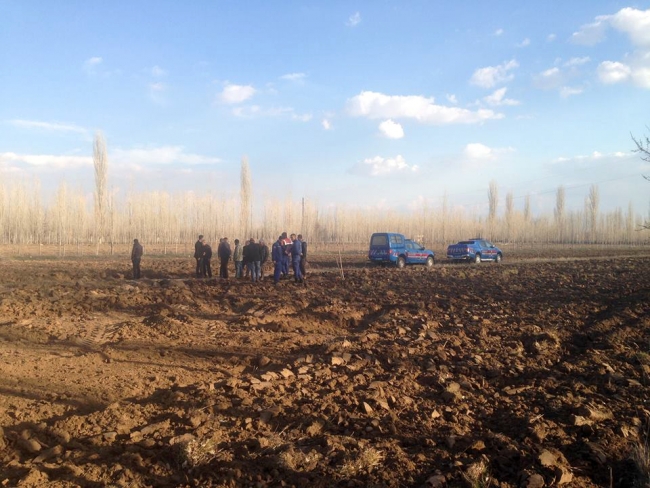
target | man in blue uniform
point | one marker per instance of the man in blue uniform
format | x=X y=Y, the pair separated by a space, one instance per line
x=286 y=249
x=277 y=256
x=296 y=255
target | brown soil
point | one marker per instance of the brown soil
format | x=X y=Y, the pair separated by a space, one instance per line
x=529 y=373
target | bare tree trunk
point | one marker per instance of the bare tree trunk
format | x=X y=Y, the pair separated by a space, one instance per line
x=100 y=161
x=245 y=200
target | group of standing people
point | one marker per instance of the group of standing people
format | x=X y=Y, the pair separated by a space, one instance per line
x=288 y=252
x=250 y=257
x=289 y=249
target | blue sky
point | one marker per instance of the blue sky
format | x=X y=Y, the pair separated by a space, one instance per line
x=370 y=104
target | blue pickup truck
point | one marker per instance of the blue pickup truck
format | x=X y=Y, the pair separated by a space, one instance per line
x=393 y=248
x=474 y=250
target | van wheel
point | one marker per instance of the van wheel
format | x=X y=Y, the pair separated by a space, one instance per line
x=498 y=258
x=401 y=262
x=430 y=262
x=477 y=258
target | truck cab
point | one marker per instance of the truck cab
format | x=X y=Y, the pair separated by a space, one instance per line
x=394 y=248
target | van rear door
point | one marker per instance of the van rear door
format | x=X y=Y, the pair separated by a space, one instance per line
x=379 y=247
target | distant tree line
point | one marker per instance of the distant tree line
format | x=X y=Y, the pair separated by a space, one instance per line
x=172 y=221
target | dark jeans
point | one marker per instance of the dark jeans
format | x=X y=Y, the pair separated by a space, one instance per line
x=303 y=262
x=199 y=267
x=136 y=268
x=223 y=270
x=254 y=267
x=207 y=270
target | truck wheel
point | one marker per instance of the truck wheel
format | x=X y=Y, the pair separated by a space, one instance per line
x=401 y=262
x=498 y=258
x=477 y=258
x=430 y=262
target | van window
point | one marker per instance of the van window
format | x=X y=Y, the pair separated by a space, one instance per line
x=396 y=240
x=379 y=240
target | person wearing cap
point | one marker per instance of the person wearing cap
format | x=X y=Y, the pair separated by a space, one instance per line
x=286 y=248
x=136 y=256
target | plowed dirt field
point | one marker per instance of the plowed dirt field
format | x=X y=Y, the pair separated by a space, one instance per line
x=534 y=372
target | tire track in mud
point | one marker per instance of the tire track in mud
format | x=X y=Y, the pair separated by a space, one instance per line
x=98 y=336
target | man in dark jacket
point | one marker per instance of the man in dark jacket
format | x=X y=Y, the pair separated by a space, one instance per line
x=207 y=256
x=303 y=257
x=224 y=256
x=253 y=258
x=198 y=252
x=264 y=255
x=136 y=256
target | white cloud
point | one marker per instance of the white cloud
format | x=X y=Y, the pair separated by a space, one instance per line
x=233 y=94
x=478 y=151
x=133 y=158
x=94 y=67
x=498 y=32
x=391 y=129
x=567 y=91
x=524 y=43
x=296 y=77
x=157 y=91
x=91 y=64
x=550 y=79
x=158 y=72
x=301 y=117
x=379 y=166
x=327 y=125
x=354 y=20
x=375 y=105
x=635 y=23
x=94 y=61
x=577 y=61
x=610 y=72
x=497 y=98
x=158 y=155
x=46 y=160
x=452 y=99
x=490 y=76
x=636 y=70
x=591 y=34
x=584 y=160
x=49 y=126
x=551 y=38
x=252 y=111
